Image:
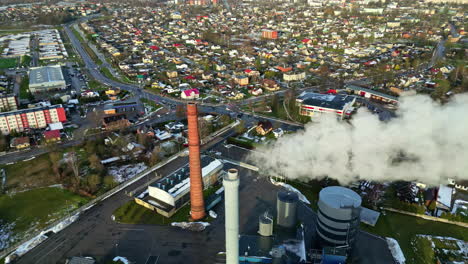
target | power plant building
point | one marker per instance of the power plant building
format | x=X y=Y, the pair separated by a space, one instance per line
x=338 y=216
x=45 y=79
x=170 y=193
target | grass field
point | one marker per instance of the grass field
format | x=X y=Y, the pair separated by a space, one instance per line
x=37 y=208
x=6 y=63
x=30 y=174
x=24 y=89
x=133 y=213
x=404 y=229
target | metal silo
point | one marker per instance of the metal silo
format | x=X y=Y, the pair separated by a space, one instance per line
x=338 y=216
x=265 y=225
x=286 y=205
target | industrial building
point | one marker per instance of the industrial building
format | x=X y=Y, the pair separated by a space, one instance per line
x=314 y=104
x=114 y=108
x=338 y=219
x=18 y=46
x=8 y=102
x=372 y=94
x=45 y=79
x=38 y=117
x=51 y=45
x=172 y=192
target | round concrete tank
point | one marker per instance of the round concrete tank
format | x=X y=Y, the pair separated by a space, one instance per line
x=265 y=225
x=286 y=205
x=338 y=216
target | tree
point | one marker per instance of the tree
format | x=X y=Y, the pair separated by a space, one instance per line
x=3 y=142
x=204 y=128
x=144 y=140
x=93 y=181
x=274 y=104
x=95 y=163
x=240 y=128
x=109 y=181
x=224 y=120
x=73 y=164
x=155 y=156
x=55 y=158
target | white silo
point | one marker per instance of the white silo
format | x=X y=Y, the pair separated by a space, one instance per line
x=231 y=204
x=338 y=216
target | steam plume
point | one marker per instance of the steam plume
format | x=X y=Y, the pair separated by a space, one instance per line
x=427 y=142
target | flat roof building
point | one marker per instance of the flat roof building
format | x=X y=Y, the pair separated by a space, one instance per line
x=172 y=192
x=47 y=78
x=314 y=104
x=32 y=118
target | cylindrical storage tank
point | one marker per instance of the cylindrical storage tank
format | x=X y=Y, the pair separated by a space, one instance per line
x=338 y=216
x=286 y=205
x=265 y=225
x=231 y=204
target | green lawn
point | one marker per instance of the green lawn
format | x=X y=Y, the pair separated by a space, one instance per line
x=24 y=89
x=6 y=63
x=404 y=229
x=25 y=60
x=30 y=174
x=37 y=208
x=133 y=213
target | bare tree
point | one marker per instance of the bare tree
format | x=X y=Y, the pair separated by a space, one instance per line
x=73 y=163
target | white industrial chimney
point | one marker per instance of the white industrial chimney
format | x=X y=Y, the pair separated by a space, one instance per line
x=231 y=205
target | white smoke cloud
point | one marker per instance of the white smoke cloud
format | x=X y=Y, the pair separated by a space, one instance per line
x=432 y=137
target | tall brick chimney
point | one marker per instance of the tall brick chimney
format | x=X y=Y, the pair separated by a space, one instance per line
x=197 y=204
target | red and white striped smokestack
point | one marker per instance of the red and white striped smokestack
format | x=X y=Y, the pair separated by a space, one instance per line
x=197 y=204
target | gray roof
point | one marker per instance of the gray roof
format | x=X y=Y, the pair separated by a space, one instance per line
x=45 y=74
x=331 y=101
x=340 y=197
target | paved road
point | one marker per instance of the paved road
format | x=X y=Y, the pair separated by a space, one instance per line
x=94 y=233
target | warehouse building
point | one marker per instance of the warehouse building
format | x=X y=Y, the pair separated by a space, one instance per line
x=38 y=117
x=45 y=79
x=172 y=192
x=314 y=104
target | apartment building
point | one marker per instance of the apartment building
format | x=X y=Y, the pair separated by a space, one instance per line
x=8 y=102
x=38 y=117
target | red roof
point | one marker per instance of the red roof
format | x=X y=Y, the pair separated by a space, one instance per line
x=189 y=77
x=190 y=91
x=305 y=40
x=177 y=45
x=52 y=134
x=247 y=70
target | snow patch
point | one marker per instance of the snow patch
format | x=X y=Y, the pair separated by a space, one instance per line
x=126 y=172
x=191 y=226
x=213 y=214
x=396 y=250
x=6 y=234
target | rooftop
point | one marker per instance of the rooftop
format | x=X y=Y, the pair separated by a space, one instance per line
x=340 y=197
x=45 y=74
x=180 y=179
x=330 y=101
